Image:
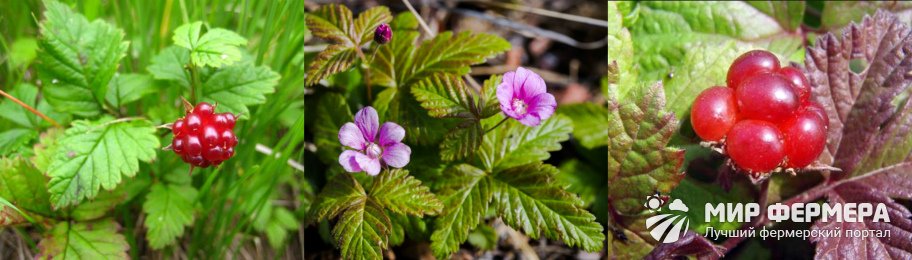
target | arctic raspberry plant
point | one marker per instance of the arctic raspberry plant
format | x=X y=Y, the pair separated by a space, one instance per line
x=84 y=173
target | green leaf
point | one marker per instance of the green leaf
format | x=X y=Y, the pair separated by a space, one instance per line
x=837 y=14
x=445 y=95
x=466 y=196
x=281 y=222
x=484 y=237
x=100 y=205
x=127 y=88
x=24 y=186
x=77 y=59
x=235 y=87
x=98 y=154
x=451 y=54
x=529 y=198
x=362 y=232
x=513 y=144
x=340 y=193
x=332 y=60
x=84 y=240
x=400 y=193
x=9 y=214
x=789 y=14
x=168 y=209
x=461 y=142
x=169 y=65
x=707 y=66
x=622 y=75
x=216 y=48
x=331 y=113
x=333 y=22
x=28 y=94
x=22 y=52
x=46 y=148
x=590 y=123
x=15 y=140
x=639 y=163
x=697 y=193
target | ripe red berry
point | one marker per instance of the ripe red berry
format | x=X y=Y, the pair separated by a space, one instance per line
x=750 y=64
x=755 y=145
x=799 y=82
x=714 y=113
x=204 y=138
x=818 y=109
x=805 y=137
x=768 y=97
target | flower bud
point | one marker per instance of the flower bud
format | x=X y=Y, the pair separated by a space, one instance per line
x=383 y=34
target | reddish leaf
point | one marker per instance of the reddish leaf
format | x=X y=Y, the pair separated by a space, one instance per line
x=690 y=244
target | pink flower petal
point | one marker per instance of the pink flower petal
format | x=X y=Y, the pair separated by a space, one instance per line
x=532 y=84
x=530 y=120
x=397 y=155
x=370 y=166
x=390 y=133
x=347 y=160
x=542 y=106
x=350 y=135
x=505 y=94
x=368 y=121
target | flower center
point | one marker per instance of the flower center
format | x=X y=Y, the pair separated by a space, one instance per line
x=519 y=106
x=373 y=151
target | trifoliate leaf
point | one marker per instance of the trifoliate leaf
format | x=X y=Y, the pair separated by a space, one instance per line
x=466 y=196
x=639 y=163
x=445 y=95
x=96 y=155
x=216 y=48
x=77 y=59
x=169 y=65
x=24 y=186
x=334 y=22
x=126 y=88
x=28 y=94
x=331 y=113
x=400 y=193
x=340 y=193
x=590 y=123
x=530 y=199
x=84 y=240
x=513 y=144
x=168 y=209
x=240 y=85
x=362 y=232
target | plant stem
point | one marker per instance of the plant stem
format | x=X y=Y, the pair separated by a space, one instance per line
x=367 y=80
x=194 y=82
x=30 y=109
x=498 y=124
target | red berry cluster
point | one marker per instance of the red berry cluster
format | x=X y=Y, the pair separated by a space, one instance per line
x=204 y=138
x=764 y=119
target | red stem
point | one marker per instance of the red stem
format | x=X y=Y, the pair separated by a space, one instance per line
x=29 y=108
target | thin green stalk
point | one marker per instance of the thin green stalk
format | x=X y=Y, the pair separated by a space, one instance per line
x=498 y=124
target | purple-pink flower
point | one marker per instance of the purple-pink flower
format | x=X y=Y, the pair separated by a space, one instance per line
x=373 y=144
x=523 y=96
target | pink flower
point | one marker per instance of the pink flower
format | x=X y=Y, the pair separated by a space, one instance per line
x=372 y=143
x=523 y=96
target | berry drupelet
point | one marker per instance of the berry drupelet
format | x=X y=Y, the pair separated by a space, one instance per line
x=204 y=138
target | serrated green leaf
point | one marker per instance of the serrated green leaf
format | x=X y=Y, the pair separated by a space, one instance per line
x=332 y=60
x=639 y=163
x=461 y=142
x=621 y=70
x=84 y=240
x=237 y=86
x=331 y=113
x=168 y=209
x=707 y=66
x=400 y=193
x=15 y=140
x=362 y=232
x=445 y=95
x=127 y=88
x=340 y=193
x=98 y=154
x=489 y=104
x=216 y=48
x=28 y=94
x=466 y=196
x=529 y=198
x=169 y=65
x=451 y=54
x=281 y=222
x=100 y=205
x=334 y=22
x=590 y=123
x=77 y=59
x=789 y=14
x=46 y=149
x=513 y=144
x=24 y=186
x=368 y=21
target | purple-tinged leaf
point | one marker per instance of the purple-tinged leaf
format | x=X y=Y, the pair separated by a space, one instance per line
x=690 y=244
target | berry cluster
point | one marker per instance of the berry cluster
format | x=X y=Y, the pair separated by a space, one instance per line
x=204 y=138
x=764 y=119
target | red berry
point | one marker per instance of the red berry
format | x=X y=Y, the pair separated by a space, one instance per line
x=204 y=138
x=805 y=137
x=755 y=145
x=750 y=64
x=766 y=97
x=799 y=82
x=818 y=109
x=714 y=113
